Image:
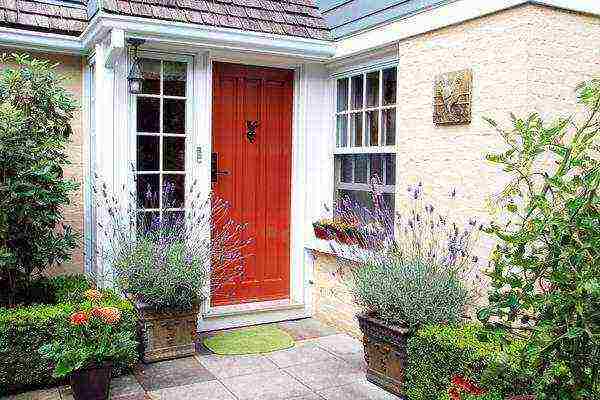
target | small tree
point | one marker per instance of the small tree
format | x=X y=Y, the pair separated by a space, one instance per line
x=35 y=116
x=546 y=268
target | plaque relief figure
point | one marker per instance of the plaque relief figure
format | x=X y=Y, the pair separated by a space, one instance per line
x=452 y=98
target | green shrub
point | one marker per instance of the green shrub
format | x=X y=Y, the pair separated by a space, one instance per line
x=35 y=129
x=23 y=330
x=545 y=270
x=436 y=353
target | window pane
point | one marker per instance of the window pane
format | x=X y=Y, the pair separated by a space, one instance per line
x=148 y=221
x=148 y=115
x=174 y=116
x=174 y=154
x=148 y=157
x=389 y=86
x=342 y=131
x=174 y=75
x=390 y=169
x=389 y=126
x=372 y=126
x=377 y=168
x=358 y=196
x=147 y=191
x=346 y=173
x=151 y=73
x=356 y=129
x=174 y=219
x=357 y=92
x=342 y=94
x=361 y=163
x=373 y=89
x=173 y=191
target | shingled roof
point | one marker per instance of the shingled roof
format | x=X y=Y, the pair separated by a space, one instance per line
x=285 y=17
x=58 y=17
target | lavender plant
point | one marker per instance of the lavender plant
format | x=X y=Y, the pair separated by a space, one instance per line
x=414 y=268
x=171 y=260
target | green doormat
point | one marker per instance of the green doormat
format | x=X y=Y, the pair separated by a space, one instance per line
x=254 y=340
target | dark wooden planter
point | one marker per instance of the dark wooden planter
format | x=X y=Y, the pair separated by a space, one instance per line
x=166 y=335
x=92 y=383
x=385 y=353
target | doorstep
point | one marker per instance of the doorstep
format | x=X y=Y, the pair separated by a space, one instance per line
x=239 y=315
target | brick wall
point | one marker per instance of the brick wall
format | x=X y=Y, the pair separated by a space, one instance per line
x=524 y=59
x=71 y=68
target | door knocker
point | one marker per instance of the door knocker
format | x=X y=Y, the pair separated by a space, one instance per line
x=251 y=133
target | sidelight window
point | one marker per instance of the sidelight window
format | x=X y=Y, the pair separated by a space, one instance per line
x=161 y=136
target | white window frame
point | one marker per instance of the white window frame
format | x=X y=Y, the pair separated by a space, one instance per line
x=349 y=149
x=189 y=131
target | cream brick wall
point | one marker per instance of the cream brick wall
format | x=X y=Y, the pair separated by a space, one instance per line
x=71 y=68
x=525 y=59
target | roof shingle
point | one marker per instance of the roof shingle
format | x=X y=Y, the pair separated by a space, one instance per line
x=284 y=17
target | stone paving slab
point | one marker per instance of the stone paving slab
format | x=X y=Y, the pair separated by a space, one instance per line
x=273 y=385
x=308 y=328
x=231 y=366
x=327 y=374
x=300 y=354
x=361 y=390
x=181 y=372
x=212 y=390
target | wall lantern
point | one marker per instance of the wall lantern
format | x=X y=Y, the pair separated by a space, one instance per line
x=135 y=77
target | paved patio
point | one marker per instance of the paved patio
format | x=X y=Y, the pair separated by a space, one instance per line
x=324 y=365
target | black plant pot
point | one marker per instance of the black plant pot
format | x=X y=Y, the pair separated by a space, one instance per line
x=92 y=383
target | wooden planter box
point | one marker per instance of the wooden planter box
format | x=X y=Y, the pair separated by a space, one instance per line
x=166 y=335
x=385 y=353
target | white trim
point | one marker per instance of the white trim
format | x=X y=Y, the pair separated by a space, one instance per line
x=449 y=14
x=116 y=47
x=39 y=41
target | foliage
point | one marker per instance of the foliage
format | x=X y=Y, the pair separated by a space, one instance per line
x=23 y=330
x=35 y=115
x=438 y=354
x=546 y=268
x=93 y=337
x=413 y=271
x=168 y=262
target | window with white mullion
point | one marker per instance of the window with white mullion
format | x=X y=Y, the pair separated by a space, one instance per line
x=161 y=111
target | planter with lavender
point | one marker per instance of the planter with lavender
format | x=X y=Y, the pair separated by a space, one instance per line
x=167 y=262
x=412 y=275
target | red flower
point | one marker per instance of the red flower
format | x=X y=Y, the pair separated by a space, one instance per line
x=454 y=394
x=466 y=385
x=79 y=318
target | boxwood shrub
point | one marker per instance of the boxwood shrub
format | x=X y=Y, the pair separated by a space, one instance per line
x=23 y=330
x=436 y=353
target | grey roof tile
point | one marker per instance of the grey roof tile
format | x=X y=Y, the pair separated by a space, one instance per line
x=282 y=17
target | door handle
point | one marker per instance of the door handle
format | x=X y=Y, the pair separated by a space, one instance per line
x=214 y=168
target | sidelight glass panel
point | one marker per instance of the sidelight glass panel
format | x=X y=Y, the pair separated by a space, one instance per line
x=151 y=73
x=357 y=92
x=148 y=190
x=342 y=94
x=174 y=116
x=390 y=169
x=148 y=153
x=361 y=164
x=148 y=115
x=377 y=168
x=346 y=172
x=175 y=76
x=174 y=153
x=173 y=191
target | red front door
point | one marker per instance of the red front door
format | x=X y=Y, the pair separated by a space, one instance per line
x=252 y=139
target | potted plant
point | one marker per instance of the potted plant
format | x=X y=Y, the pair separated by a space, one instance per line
x=90 y=345
x=341 y=230
x=168 y=262
x=413 y=274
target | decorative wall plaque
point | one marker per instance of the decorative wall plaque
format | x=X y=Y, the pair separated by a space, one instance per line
x=452 y=96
